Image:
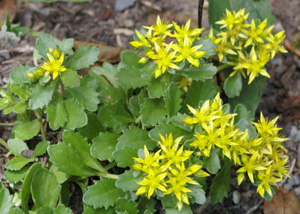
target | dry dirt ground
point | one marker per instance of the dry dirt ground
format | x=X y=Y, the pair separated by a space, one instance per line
x=98 y=22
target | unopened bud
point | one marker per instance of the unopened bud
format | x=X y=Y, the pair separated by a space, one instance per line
x=30 y=75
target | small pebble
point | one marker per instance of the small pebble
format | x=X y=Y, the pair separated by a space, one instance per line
x=236 y=197
x=294 y=180
x=297 y=190
x=287 y=186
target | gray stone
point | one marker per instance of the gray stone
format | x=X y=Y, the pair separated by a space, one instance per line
x=236 y=197
x=294 y=180
x=123 y=4
x=287 y=186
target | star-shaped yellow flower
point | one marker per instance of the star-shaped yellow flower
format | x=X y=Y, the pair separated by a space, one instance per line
x=54 y=66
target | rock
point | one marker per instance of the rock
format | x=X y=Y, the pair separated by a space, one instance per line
x=287 y=186
x=294 y=180
x=236 y=197
x=123 y=4
x=297 y=190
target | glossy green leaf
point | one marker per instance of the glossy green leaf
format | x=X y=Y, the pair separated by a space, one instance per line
x=5 y=200
x=91 y=210
x=93 y=127
x=108 y=71
x=77 y=118
x=177 y=120
x=153 y=111
x=83 y=57
x=41 y=148
x=166 y=129
x=233 y=85
x=203 y=72
x=198 y=194
x=128 y=182
x=221 y=184
x=25 y=193
x=16 y=210
x=28 y=130
x=126 y=206
x=135 y=137
x=242 y=113
x=103 y=194
x=45 y=188
x=111 y=95
x=18 y=75
x=146 y=206
x=212 y=163
x=17 y=163
x=86 y=97
x=70 y=78
x=41 y=95
x=61 y=177
x=208 y=47
x=169 y=204
x=124 y=156
x=16 y=146
x=244 y=124
x=62 y=209
x=173 y=99
x=104 y=145
x=158 y=86
x=15 y=176
x=57 y=114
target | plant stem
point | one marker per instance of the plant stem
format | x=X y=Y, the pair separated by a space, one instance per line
x=110 y=165
x=224 y=66
x=62 y=87
x=108 y=175
x=3 y=143
x=138 y=119
x=39 y=117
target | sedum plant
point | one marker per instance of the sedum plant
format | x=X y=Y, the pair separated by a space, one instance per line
x=147 y=134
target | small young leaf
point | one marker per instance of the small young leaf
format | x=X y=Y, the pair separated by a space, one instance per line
x=244 y=124
x=169 y=204
x=17 y=163
x=62 y=209
x=16 y=210
x=93 y=127
x=212 y=163
x=15 y=176
x=28 y=130
x=41 y=148
x=108 y=71
x=221 y=184
x=173 y=99
x=124 y=156
x=77 y=118
x=70 y=78
x=158 y=86
x=57 y=114
x=18 y=75
x=16 y=146
x=166 y=129
x=125 y=206
x=242 y=113
x=134 y=105
x=198 y=194
x=177 y=120
x=153 y=111
x=83 y=57
x=203 y=72
x=20 y=107
x=233 y=85
x=127 y=181
x=103 y=194
x=104 y=145
x=45 y=188
x=6 y=200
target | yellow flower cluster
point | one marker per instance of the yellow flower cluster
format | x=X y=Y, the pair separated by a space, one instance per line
x=261 y=157
x=166 y=170
x=167 y=55
x=239 y=37
x=54 y=65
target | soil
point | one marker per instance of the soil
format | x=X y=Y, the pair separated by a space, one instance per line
x=98 y=22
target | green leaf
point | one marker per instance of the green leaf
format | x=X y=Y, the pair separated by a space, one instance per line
x=258 y=10
x=61 y=177
x=242 y=113
x=244 y=124
x=45 y=188
x=41 y=95
x=41 y=148
x=203 y=72
x=20 y=107
x=77 y=118
x=25 y=193
x=103 y=194
x=57 y=114
x=126 y=206
x=233 y=86
x=146 y=206
x=45 y=41
x=5 y=200
x=28 y=130
x=18 y=75
x=83 y=57
x=124 y=156
x=44 y=210
x=91 y=210
x=111 y=95
x=16 y=210
x=136 y=138
x=134 y=105
x=250 y=95
x=199 y=92
x=198 y=194
x=212 y=163
x=70 y=78
x=173 y=99
x=104 y=145
x=62 y=209
x=15 y=176
x=86 y=97
x=16 y=146
x=93 y=127
x=22 y=92
x=208 y=46
x=166 y=129
x=153 y=111
x=128 y=182
x=94 y=81
x=17 y=163
x=177 y=120
x=115 y=116
x=108 y=71
x=158 y=86
x=221 y=184
x=169 y=204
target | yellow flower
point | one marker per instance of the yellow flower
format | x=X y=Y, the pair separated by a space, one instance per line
x=143 y=41
x=233 y=19
x=266 y=180
x=186 y=51
x=163 y=58
x=149 y=161
x=255 y=33
x=182 y=32
x=160 y=28
x=274 y=44
x=184 y=83
x=54 y=66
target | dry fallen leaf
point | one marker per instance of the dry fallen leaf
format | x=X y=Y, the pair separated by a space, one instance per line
x=289 y=46
x=284 y=202
x=10 y=7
